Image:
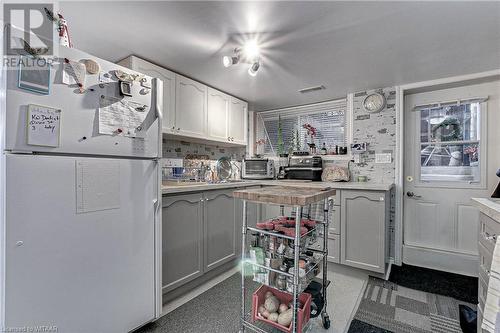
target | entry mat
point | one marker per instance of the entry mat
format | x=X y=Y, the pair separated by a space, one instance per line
x=387 y=307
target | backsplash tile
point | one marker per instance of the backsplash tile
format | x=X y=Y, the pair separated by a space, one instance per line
x=191 y=150
x=379 y=131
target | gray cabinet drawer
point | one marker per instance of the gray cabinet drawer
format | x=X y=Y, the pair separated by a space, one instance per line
x=334 y=248
x=488 y=231
x=484 y=274
x=484 y=258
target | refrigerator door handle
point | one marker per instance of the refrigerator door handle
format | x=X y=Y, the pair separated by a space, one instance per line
x=158 y=102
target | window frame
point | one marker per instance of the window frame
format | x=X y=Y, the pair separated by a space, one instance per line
x=303 y=110
x=483 y=162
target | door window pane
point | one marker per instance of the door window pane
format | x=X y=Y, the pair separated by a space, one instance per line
x=450 y=143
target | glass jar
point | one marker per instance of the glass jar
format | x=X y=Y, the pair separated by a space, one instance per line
x=281 y=282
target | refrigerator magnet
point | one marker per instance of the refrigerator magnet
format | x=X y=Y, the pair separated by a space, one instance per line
x=34 y=75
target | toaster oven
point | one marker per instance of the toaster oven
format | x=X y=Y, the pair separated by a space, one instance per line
x=257 y=168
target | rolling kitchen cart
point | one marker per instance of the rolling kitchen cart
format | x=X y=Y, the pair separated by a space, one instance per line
x=300 y=199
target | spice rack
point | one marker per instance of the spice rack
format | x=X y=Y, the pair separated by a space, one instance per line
x=304 y=262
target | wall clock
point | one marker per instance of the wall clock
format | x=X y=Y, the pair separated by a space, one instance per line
x=374 y=102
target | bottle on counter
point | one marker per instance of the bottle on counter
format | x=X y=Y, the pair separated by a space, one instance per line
x=323 y=150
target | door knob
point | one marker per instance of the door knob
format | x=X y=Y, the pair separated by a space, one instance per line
x=412 y=195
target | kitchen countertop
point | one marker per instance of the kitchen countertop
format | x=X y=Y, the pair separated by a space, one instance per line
x=490 y=207
x=295 y=183
x=285 y=195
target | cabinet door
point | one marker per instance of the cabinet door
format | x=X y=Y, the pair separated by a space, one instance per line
x=190 y=107
x=363 y=229
x=182 y=232
x=334 y=248
x=220 y=228
x=217 y=114
x=168 y=78
x=238 y=114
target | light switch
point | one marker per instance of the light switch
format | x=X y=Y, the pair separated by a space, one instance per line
x=383 y=158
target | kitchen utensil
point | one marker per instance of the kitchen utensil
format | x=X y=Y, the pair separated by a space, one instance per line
x=224 y=168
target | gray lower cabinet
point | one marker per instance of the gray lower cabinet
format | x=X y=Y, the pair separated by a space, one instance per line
x=364 y=216
x=182 y=242
x=201 y=231
x=222 y=216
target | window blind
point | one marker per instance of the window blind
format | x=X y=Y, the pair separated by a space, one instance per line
x=329 y=118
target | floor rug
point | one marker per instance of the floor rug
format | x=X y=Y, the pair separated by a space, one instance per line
x=388 y=307
x=461 y=287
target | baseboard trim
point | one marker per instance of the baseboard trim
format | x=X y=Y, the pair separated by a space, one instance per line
x=459 y=263
x=187 y=292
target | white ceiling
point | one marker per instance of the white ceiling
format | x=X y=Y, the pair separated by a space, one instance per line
x=346 y=46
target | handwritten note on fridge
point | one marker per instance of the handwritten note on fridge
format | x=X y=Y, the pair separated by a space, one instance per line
x=44 y=124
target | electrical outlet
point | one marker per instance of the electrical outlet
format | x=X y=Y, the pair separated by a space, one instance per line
x=172 y=162
x=383 y=158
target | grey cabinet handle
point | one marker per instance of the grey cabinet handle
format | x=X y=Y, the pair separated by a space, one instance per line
x=489 y=237
x=413 y=195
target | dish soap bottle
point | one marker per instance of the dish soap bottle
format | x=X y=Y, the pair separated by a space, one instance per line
x=323 y=150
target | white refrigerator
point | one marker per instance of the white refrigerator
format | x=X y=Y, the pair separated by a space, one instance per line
x=80 y=211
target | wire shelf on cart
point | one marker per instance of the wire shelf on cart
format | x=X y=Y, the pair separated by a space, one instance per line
x=298 y=197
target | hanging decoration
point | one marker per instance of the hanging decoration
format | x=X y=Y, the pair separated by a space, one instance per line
x=451 y=124
x=62 y=27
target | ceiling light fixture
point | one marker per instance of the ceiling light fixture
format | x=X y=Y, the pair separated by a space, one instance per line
x=251 y=49
x=252 y=71
x=249 y=53
x=229 y=61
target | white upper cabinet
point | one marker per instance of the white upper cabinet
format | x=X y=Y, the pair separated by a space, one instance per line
x=168 y=78
x=190 y=107
x=194 y=110
x=218 y=112
x=238 y=117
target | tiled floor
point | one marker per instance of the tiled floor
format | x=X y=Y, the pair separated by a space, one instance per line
x=343 y=298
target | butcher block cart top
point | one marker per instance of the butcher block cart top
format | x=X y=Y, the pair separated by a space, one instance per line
x=285 y=195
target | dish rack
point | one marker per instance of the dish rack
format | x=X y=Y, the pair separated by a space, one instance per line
x=277 y=245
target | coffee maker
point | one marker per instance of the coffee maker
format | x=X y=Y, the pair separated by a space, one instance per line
x=496 y=194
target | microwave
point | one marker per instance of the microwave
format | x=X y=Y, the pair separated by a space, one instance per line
x=257 y=168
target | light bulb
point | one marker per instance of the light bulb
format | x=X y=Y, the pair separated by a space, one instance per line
x=251 y=49
x=253 y=69
x=227 y=61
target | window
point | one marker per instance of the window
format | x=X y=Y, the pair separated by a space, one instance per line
x=329 y=119
x=450 y=143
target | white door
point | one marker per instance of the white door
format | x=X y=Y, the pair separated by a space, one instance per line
x=79 y=243
x=450 y=156
x=218 y=111
x=238 y=114
x=190 y=107
x=168 y=79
